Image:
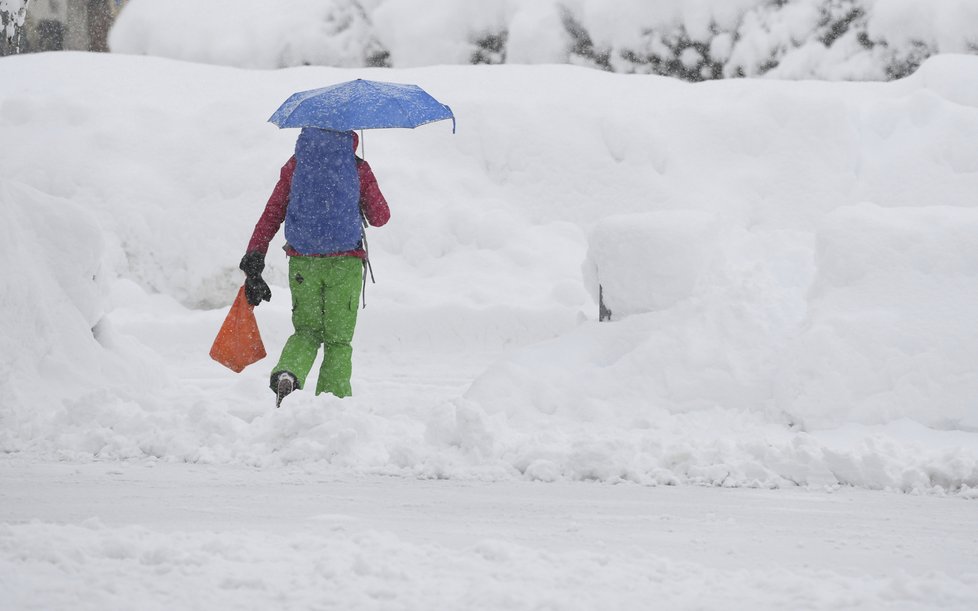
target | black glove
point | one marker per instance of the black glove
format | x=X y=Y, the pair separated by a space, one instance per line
x=256 y=290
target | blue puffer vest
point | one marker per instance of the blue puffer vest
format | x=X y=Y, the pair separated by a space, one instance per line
x=323 y=216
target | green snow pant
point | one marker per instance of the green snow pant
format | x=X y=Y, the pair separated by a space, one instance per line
x=325 y=300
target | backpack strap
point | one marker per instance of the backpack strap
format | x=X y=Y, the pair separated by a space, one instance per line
x=367 y=267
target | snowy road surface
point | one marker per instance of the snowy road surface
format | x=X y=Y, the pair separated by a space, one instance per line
x=155 y=535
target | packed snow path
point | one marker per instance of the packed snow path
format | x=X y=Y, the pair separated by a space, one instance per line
x=157 y=535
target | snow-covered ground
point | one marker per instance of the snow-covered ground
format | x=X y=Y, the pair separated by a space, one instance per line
x=793 y=286
x=164 y=536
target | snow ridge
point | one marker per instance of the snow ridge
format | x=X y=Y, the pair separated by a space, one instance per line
x=785 y=310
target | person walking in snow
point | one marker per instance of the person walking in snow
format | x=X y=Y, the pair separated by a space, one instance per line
x=326 y=195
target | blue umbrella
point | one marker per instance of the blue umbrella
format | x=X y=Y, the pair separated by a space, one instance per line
x=361 y=104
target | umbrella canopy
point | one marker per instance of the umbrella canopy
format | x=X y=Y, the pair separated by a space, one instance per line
x=361 y=104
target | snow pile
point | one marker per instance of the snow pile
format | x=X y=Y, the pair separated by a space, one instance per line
x=649 y=262
x=893 y=301
x=52 y=306
x=52 y=252
x=785 y=311
x=886 y=330
x=693 y=40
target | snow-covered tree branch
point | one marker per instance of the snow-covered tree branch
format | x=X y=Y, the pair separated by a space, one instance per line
x=12 y=16
x=706 y=39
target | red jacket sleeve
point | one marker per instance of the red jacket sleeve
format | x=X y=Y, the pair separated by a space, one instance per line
x=372 y=201
x=271 y=219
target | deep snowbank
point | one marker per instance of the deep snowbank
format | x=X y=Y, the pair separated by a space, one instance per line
x=893 y=301
x=885 y=329
x=52 y=253
x=807 y=245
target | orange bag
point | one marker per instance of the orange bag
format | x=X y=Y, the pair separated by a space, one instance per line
x=238 y=343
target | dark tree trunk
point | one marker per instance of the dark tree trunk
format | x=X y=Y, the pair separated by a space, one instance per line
x=99 y=20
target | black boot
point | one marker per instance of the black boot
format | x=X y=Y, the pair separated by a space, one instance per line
x=285 y=383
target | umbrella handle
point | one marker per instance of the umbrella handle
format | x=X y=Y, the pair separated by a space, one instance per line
x=452 y=114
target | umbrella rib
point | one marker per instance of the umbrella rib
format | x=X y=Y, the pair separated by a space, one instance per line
x=397 y=101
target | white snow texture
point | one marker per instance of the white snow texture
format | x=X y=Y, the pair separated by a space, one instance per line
x=790 y=267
